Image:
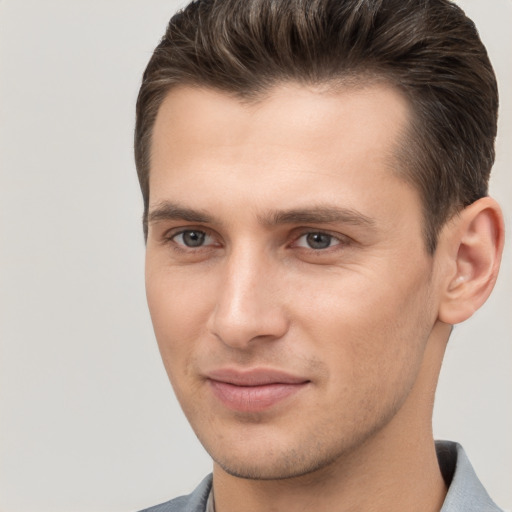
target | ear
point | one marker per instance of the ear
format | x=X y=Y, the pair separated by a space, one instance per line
x=472 y=245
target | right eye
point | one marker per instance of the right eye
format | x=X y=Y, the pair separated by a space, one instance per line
x=192 y=238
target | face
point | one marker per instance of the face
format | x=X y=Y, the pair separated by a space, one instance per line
x=286 y=273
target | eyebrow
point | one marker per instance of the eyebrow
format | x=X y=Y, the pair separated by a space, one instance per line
x=320 y=214
x=323 y=214
x=172 y=211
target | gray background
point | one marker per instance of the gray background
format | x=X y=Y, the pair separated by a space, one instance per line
x=87 y=417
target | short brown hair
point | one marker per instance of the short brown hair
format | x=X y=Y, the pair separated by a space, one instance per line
x=429 y=49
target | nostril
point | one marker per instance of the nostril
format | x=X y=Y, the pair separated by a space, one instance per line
x=240 y=328
x=248 y=306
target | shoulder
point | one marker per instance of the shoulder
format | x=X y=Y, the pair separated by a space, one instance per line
x=194 y=502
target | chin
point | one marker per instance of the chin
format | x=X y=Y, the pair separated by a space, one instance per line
x=269 y=465
x=271 y=470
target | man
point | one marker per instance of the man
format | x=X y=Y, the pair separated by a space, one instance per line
x=314 y=176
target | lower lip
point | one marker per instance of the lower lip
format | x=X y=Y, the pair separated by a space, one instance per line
x=253 y=398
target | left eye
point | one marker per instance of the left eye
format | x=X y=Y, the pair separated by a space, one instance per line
x=317 y=241
x=192 y=238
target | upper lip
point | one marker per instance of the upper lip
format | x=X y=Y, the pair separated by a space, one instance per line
x=254 y=377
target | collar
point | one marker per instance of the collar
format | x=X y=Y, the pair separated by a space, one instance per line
x=465 y=491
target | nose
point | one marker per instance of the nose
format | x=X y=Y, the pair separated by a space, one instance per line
x=249 y=304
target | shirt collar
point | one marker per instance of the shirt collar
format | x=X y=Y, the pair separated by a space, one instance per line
x=465 y=491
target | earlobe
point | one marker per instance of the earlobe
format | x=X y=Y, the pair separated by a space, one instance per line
x=475 y=244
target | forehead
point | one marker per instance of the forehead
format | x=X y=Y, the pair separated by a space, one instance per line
x=294 y=140
x=287 y=114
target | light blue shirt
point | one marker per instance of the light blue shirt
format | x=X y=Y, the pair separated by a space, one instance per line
x=465 y=491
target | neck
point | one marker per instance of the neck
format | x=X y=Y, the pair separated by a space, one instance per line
x=409 y=480
x=397 y=469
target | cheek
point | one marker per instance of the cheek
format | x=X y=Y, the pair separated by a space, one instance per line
x=371 y=330
x=179 y=310
x=177 y=329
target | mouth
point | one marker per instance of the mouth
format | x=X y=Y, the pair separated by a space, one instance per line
x=254 y=390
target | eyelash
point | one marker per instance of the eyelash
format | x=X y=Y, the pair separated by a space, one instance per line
x=339 y=240
x=333 y=241
x=170 y=238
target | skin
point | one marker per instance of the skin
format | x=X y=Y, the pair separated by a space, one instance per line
x=282 y=238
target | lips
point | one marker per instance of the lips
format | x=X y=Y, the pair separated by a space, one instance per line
x=254 y=390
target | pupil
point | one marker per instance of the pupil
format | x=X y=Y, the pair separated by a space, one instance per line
x=193 y=238
x=319 y=240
